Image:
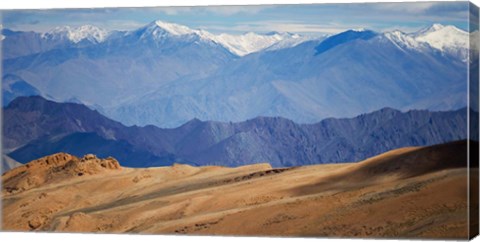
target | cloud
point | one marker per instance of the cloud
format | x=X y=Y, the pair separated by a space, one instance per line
x=121 y=24
x=314 y=18
x=34 y=22
x=448 y=8
x=406 y=8
x=279 y=26
x=404 y=29
x=325 y=28
x=219 y=10
x=443 y=9
x=232 y=10
x=173 y=10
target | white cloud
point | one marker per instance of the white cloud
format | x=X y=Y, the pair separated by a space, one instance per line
x=122 y=25
x=268 y=26
x=231 y=10
x=418 y=7
x=220 y=10
x=302 y=28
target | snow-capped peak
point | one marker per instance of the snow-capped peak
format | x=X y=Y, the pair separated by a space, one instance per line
x=237 y=44
x=174 y=29
x=443 y=37
x=402 y=40
x=446 y=38
x=160 y=29
x=359 y=30
x=433 y=28
x=250 y=42
x=77 y=34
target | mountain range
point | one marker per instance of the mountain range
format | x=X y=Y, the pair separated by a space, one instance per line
x=166 y=74
x=34 y=127
x=73 y=37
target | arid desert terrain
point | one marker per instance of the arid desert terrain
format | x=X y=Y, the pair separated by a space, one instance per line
x=408 y=192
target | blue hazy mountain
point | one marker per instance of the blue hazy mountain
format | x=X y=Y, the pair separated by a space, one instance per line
x=343 y=38
x=166 y=74
x=122 y=66
x=85 y=143
x=13 y=87
x=74 y=128
x=21 y=43
x=306 y=86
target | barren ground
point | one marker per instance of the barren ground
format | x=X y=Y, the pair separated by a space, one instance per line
x=409 y=192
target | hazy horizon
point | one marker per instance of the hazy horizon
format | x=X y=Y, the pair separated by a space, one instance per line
x=307 y=19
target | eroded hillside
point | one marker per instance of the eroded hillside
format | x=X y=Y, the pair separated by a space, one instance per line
x=409 y=192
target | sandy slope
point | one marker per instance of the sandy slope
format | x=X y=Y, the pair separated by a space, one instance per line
x=410 y=192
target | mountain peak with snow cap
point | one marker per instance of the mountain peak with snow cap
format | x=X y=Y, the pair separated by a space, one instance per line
x=446 y=38
x=359 y=30
x=174 y=29
x=76 y=34
x=435 y=27
x=443 y=36
x=237 y=44
x=159 y=29
x=403 y=40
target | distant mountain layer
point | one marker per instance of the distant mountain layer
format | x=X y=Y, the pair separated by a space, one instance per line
x=34 y=127
x=87 y=35
x=166 y=74
x=8 y=164
x=13 y=86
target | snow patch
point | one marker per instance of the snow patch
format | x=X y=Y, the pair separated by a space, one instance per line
x=85 y=32
x=237 y=44
x=402 y=40
x=174 y=29
x=443 y=37
x=448 y=39
x=250 y=42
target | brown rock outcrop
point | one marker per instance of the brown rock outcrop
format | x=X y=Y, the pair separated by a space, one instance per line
x=54 y=168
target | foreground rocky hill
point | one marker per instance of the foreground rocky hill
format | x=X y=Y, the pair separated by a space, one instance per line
x=413 y=192
x=54 y=168
x=34 y=127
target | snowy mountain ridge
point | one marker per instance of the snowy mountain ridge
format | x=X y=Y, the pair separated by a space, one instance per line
x=76 y=34
x=237 y=44
x=166 y=74
x=403 y=40
x=253 y=42
x=446 y=38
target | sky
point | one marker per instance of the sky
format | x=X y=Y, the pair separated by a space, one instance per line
x=310 y=19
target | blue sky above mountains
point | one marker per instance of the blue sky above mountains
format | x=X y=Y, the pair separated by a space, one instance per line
x=307 y=19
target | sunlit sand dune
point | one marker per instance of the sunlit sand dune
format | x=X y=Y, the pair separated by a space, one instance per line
x=408 y=192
